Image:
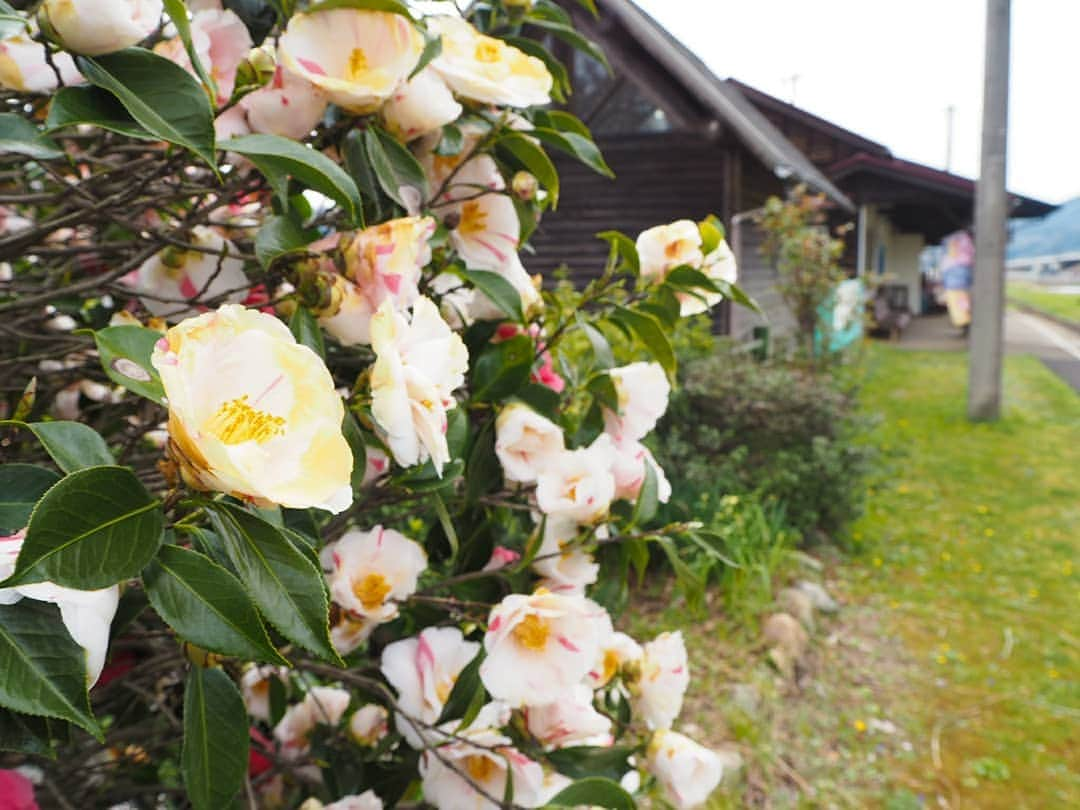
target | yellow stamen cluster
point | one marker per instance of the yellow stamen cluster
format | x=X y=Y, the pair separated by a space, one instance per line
x=473 y=219
x=532 y=632
x=480 y=767
x=371 y=590
x=358 y=64
x=237 y=422
x=488 y=50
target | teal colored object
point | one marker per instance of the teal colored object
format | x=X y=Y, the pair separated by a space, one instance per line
x=841 y=317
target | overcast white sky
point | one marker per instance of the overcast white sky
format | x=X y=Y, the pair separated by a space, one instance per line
x=887 y=69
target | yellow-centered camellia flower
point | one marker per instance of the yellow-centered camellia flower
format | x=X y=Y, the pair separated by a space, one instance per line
x=359 y=58
x=94 y=27
x=252 y=412
x=486 y=69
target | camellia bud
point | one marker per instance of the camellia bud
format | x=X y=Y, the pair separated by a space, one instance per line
x=524 y=186
x=524 y=5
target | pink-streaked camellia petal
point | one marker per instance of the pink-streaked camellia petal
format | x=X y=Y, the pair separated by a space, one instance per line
x=23 y=67
x=359 y=58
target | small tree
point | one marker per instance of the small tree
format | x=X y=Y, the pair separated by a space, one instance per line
x=798 y=243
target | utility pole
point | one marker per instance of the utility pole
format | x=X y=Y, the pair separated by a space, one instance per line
x=950 y=113
x=991 y=209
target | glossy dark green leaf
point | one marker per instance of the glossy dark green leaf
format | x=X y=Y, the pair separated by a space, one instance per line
x=72 y=106
x=72 y=445
x=736 y=293
x=484 y=470
x=350 y=429
x=27 y=734
x=691 y=585
x=648 y=497
x=594 y=791
x=583 y=761
x=286 y=586
x=94 y=528
x=394 y=166
x=393 y=6
x=19 y=136
x=533 y=159
x=622 y=247
x=207 y=605
x=159 y=94
x=541 y=399
x=214 y=758
x=305 y=329
x=432 y=48
x=502 y=368
x=651 y=334
x=498 y=290
x=280 y=158
x=464 y=691
x=354 y=151
x=21 y=486
x=601 y=349
x=577 y=146
x=178 y=13
x=278 y=236
x=125 y=352
x=42 y=671
x=687 y=278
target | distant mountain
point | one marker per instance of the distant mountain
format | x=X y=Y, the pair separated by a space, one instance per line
x=1057 y=232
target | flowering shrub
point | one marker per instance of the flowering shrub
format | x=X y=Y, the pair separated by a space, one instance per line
x=279 y=388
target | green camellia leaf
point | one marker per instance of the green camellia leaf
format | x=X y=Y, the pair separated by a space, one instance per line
x=94 y=528
x=502 y=368
x=603 y=357
x=305 y=329
x=687 y=278
x=21 y=486
x=394 y=165
x=648 y=498
x=594 y=791
x=432 y=48
x=622 y=247
x=42 y=671
x=533 y=159
x=393 y=6
x=279 y=236
x=178 y=13
x=576 y=145
x=125 y=352
x=463 y=694
x=19 y=136
x=27 y=734
x=583 y=761
x=284 y=583
x=712 y=233
x=207 y=605
x=280 y=158
x=71 y=106
x=735 y=293
x=214 y=758
x=72 y=445
x=350 y=429
x=498 y=290
x=652 y=334
x=159 y=94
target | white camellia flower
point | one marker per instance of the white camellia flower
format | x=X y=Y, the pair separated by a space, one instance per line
x=525 y=442
x=579 y=484
x=289 y=106
x=665 y=674
x=719 y=265
x=221 y=41
x=322 y=705
x=94 y=27
x=573 y=720
x=642 y=390
x=486 y=69
x=539 y=646
x=348 y=631
x=631 y=459
x=688 y=772
x=252 y=412
x=423 y=670
x=368 y=724
x=616 y=652
x=418 y=364
x=359 y=58
x=664 y=247
x=23 y=67
x=566 y=568
x=87 y=615
x=423 y=105
x=255 y=688
x=175 y=274
x=382 y=263
x=480 y=758
x=368 y=571
x=368 y=800
x=486 y=232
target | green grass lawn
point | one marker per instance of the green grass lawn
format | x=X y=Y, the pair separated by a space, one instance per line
x=951 y=677
x=973 y=542
x=1064 y=305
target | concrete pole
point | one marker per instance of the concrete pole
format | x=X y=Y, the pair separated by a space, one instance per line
x=991 y=211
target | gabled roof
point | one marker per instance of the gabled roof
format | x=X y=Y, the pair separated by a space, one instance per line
x=724 y=100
